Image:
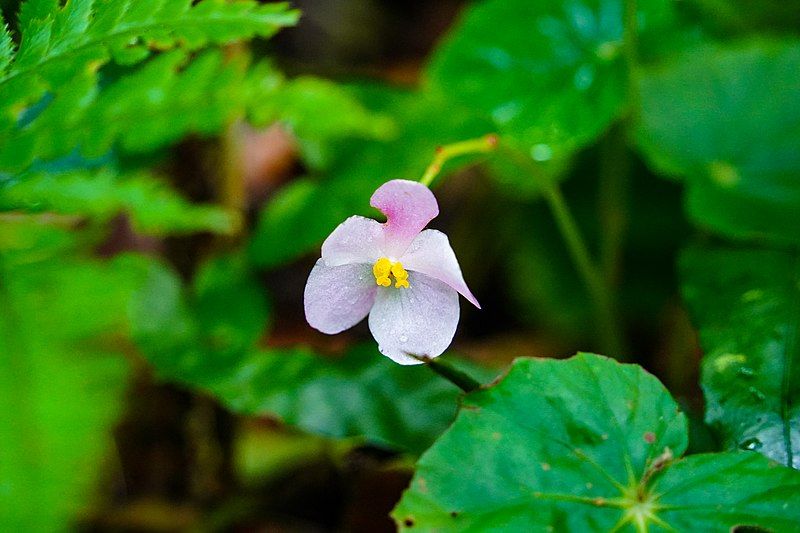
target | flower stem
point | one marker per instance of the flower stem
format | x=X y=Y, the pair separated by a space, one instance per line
x=457 y=377
x=609 y=333
x=615 y=174
x=444 y=153
x=610 y=336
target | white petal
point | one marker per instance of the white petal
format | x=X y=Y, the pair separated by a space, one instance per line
x=431 y=254
x=338 y=297
x=356 y=240
x=419 y=320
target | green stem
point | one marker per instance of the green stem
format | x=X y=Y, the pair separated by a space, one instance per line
x=610 y=336
x=613 y=199
x=481 y=145
x=608 y=329
x=457 y=377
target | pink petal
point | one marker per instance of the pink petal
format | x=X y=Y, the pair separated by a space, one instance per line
x=430 y=254
x=338 y=297
x=356 y=240
x=419 y=320
x=408 y=207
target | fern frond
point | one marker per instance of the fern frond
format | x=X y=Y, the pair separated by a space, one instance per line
x=6 y=46
x=152 y=206
x=154 y=105
x=57 y=42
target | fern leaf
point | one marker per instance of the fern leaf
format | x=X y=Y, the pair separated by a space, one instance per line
x=36 y=26
x=6 y=46
x=102 y=194
x=119 y=24
x=70 y=24
x=59 y=41
x=34 y=11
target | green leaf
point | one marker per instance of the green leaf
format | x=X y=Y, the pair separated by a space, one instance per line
x=59 y=41
x=726 y=119
x=747 y=306
x=301 y=215
x=362 y=394
x=587 y=444
x=101 y=195
x=62 y=378
x=549 y=74
x=208 y=342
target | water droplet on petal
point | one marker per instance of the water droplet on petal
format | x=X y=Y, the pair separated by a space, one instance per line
x=403 y=338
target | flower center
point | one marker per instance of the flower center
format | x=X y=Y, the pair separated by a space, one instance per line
x=384 y=268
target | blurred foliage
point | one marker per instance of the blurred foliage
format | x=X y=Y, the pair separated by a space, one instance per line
x=727 y=17
x=709 y=116
x=102 y=194
x=62 y=374
x=208 y=340
x=304 y=213
x=593 y=101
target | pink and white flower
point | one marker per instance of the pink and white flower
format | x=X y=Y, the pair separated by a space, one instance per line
x=406 y=278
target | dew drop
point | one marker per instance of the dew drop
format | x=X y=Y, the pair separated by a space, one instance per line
x=746 y=372
x=403 y=338
x=541 y=152
x=750 y=444
x=584 y=77
x=608 y=50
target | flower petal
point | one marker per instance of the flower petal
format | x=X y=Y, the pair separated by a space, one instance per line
x=356 y=240
x=338 y=297
x=431 y=254
x=420 y=320
x=408 y=207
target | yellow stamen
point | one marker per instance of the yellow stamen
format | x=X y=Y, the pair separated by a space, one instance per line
x=384 y=267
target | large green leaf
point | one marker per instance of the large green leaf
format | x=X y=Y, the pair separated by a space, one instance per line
x=587 y=444
x=549 y=74
x=62 y=376
x=302 y=214
x=747 y=306
x=727 y=119
x=207 y=341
